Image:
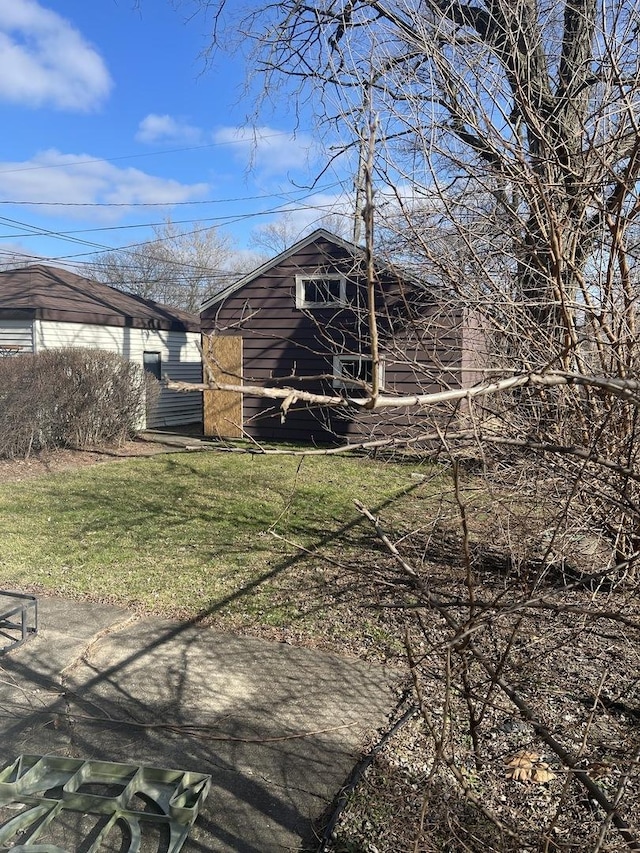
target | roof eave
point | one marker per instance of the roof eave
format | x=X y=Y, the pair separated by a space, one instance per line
x=319 y=233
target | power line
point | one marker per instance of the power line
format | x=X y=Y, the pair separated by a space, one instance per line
x=45 y=232
x=293 y=194
x=34 y=231
x=218 y=219
x=135 y=156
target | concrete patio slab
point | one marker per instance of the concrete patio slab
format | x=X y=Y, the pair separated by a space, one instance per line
x=277 y=727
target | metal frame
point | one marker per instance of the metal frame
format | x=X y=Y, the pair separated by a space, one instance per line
x=26 y=608
x=47 y=786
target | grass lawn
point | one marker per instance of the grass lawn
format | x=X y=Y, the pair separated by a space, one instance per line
x=185 y=534
x=192 y=535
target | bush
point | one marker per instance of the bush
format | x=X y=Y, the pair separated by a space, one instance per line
x=76 y=398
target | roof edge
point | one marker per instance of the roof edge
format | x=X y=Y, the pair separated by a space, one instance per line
x=97 y=302
x=319 y=233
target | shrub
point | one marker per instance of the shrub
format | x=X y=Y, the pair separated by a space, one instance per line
x=68 y=398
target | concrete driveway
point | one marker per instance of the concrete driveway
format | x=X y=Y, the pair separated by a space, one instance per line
x=277 y=727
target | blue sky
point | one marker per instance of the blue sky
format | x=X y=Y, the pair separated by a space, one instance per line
x=112 y=120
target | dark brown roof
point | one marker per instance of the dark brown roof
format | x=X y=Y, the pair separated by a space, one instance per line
x=48 y=293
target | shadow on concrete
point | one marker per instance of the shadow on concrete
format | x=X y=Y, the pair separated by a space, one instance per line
x=277 y=727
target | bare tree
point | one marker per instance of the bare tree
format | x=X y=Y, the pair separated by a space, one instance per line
x=283 y=232
x=507 y=147
x=508 y=143
x=276 y=236
x=177 y=267
x=14 y=259
x=531 y=106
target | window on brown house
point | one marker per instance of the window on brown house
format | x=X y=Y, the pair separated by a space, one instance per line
x=320 y=291
x=350 y=371
x=152 y=363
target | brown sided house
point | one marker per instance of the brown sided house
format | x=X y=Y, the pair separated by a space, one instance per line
x=43 y=307
x=300 y=320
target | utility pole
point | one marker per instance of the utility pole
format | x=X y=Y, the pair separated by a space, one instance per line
x=360 y=191
x=363 y=153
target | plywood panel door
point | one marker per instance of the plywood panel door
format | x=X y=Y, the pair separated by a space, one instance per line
x=223 y=409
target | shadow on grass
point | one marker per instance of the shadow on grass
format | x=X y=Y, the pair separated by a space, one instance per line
x=270 y=722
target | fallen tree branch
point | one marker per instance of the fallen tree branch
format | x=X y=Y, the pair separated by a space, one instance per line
x=626 y=389
x=357 y=774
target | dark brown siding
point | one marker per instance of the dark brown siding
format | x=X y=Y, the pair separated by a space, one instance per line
x=281 y=342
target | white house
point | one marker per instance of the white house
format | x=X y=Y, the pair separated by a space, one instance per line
x=44 y=307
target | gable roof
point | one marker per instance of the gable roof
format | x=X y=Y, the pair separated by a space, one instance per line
x=49 y=293
x=318 y=234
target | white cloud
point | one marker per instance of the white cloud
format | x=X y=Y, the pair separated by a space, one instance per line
x=80 y=179
x=17 y=255
x=268 y=150
x=165 y=128
x=45 y=61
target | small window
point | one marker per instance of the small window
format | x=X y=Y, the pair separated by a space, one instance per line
x=320 y=291
x=152 y=363
x=350 y=371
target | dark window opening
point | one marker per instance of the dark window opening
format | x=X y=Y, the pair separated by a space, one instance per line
x=353 y=371
x=317 y=291
x=152 y=362
x=360 y=369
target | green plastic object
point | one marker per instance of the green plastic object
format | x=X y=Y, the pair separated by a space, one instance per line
x=40 y=793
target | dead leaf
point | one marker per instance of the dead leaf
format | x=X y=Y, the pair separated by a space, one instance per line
x=542 y=774
x=527 y=766
x=599 y=769
x=520 y=765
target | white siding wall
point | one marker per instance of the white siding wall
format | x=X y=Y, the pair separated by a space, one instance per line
x=17 y=333
x=179 y=353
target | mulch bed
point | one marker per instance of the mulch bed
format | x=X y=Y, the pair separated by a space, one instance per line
x=54 y=461
x=579 y=674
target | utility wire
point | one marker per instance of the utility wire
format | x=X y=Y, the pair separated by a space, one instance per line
x=33 y=231
x=136 y=156
x=292 y=194
x=326 y=207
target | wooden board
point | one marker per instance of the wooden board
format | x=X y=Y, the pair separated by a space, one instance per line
x=223 y=409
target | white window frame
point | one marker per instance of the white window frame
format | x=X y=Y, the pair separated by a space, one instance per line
x=339 y=379
x=301 y=302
